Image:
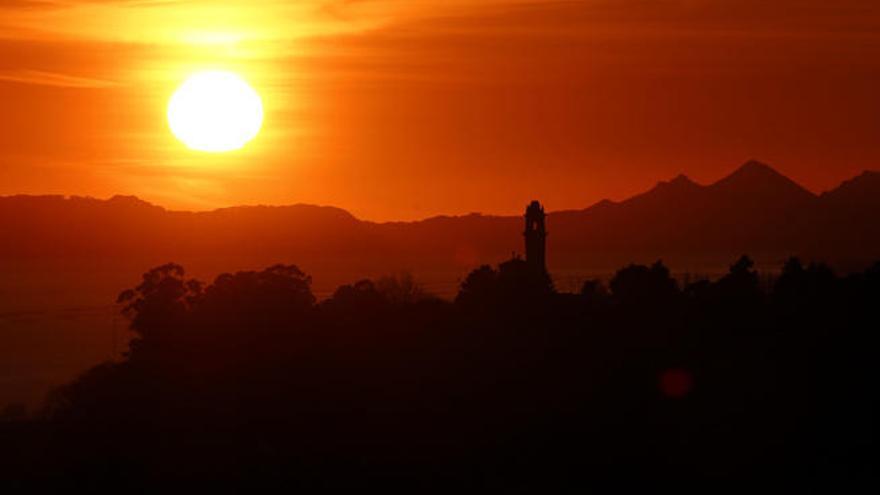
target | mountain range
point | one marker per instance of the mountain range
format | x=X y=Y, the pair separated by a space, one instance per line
x=63 y=260
x=754 y=210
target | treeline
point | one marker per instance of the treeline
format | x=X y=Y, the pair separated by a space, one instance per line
x=249 y=381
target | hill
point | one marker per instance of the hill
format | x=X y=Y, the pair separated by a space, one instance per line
x=753 y=210
x=65 y=259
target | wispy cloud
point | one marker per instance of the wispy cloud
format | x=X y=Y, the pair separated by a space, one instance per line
x=43 y=78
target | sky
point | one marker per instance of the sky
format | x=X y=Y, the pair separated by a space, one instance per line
x=403 y=109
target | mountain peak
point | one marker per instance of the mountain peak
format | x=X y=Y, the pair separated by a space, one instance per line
x=757 y=178
x=756 y=168
x=676 y=189
x=681 y=180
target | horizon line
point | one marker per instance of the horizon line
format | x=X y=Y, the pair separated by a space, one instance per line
x=748 y=163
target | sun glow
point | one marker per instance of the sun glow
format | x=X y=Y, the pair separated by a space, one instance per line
x=215 y=111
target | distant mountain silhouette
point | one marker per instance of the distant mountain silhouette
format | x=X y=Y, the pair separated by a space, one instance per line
x=847 y=219
x=754 y=209
x=62 y=256
x=755 y=180
x=859 y=196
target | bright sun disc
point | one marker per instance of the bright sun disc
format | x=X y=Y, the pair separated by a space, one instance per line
x=215 y=111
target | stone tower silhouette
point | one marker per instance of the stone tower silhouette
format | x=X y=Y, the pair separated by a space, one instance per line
x=536 y=236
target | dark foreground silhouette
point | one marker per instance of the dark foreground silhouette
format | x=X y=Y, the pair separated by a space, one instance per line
x=249 y=382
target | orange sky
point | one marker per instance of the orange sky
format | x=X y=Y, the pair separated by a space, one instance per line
x=400 y=109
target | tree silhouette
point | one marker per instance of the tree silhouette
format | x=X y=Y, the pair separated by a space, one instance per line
x=250 y=379
x=515 y=285
x=401 y=288
x=643 y=285
x=160 y=302
x=479 y=287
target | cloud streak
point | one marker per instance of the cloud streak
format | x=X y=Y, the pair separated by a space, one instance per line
x=43 y=78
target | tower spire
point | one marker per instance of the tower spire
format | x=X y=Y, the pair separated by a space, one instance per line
x=535 y=236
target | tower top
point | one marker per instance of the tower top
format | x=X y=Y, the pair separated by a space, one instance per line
x=534 y=209
x=535 y=236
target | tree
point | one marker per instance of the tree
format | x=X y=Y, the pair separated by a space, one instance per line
x=160 y=302
x=355 y=300
x=740 y=285
x=643 y=285
x=480 y=286
x=801 y=289
x=515 y=285
x=401 y=288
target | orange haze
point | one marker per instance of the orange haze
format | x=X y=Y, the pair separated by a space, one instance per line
x=400 y=110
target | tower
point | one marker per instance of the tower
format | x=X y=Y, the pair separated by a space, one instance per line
x=535 y=237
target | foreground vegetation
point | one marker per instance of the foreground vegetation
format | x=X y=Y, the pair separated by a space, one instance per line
x=250 y=381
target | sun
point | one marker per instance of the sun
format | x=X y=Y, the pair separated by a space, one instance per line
x=215 y=111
